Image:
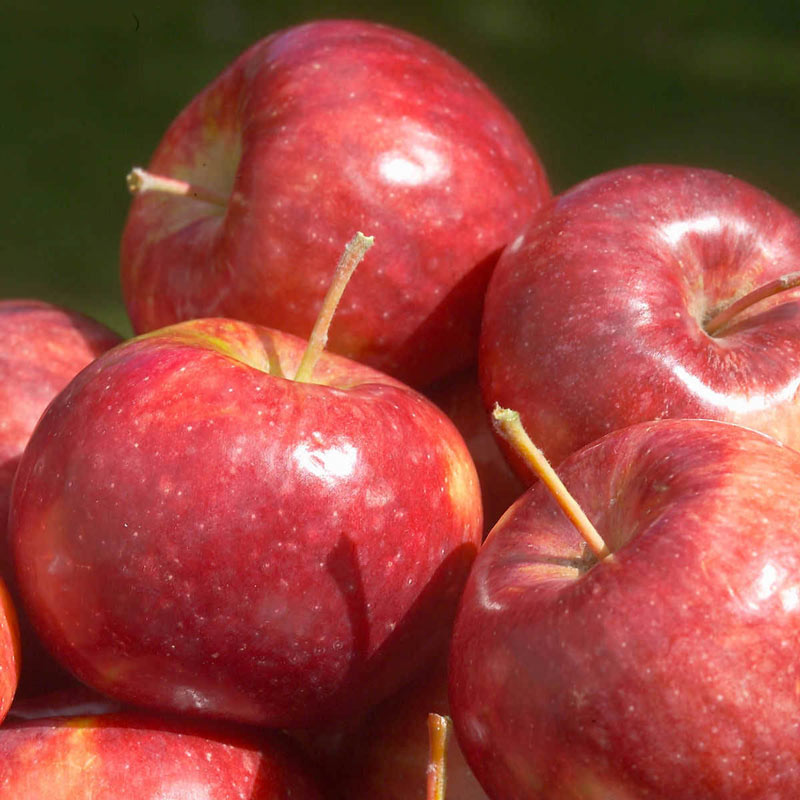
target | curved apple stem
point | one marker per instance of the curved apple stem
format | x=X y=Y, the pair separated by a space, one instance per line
x=141 y=181
x=509 y=426
x=782 y=284
x=354 y=252
x=439 y=728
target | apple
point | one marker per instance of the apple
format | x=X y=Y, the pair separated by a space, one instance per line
x=194 y=531
x=9 y=651
x=147 y=758
x=611 y=309
x=312 y=132
x=659 y=661
x=42 y=347
x=459 y=396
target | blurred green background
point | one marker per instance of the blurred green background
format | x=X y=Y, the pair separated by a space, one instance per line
x=89 y=88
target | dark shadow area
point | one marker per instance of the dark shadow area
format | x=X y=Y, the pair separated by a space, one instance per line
x=389 y=665
x=464 y=302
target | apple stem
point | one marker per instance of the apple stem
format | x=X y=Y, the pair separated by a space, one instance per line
x=439 y=728
x=782 y=284
x=354 y=252
x=509 y=426
x=141 y=181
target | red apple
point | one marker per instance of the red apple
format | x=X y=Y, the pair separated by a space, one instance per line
x=669 y=669
x=9 y=651
x=309 y=134
x=42 y=347
x=194 y=532
x=603 y=314
x=459 y=396
x=110 y=756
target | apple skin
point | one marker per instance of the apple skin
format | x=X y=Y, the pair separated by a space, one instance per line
x=9 y=651
x=194 y=534
x=314 y=132
x=594 y=319
x=669 y=671
x=459 y=396
x=128 y=754
x=42 y=347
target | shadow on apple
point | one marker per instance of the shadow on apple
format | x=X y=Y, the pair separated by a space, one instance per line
x=438 y=600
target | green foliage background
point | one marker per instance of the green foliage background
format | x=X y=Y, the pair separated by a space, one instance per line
x=89 y=87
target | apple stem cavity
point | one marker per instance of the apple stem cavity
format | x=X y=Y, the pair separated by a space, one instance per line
x=141 y=181
x=354 y=252
x=439 y=728
x=721 y=319
x=508 y=424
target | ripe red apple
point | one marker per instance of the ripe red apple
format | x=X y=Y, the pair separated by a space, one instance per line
x=312 y=132
x=42 y=347
x=147 y=758
x=9 y=651
x=193 y=531
x=459 y=396
x=670 y=668
x=607 y=311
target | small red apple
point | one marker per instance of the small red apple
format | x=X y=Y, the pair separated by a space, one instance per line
x=611 y=309
x=668 y=668
x=42 y=347
x=109 y=756
x=312 y=132
x=193 y=531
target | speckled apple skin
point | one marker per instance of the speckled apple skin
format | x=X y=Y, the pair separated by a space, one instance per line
x=42 y=347
x=9 y=651
x=670 y=671
x=195 y=534
x=316 y=132
x=594 y=319
x=143 y=757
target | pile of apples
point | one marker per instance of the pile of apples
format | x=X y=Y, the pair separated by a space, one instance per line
x=245 y=551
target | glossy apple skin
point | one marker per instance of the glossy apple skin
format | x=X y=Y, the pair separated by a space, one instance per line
x=193 y=533
x=669 y=671
x=9 y=651
x=108 y=756
x=316 y=132
x=42 y=347
x=459 y=396
x=594 y=319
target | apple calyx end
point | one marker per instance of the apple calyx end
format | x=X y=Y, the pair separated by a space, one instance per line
x=508 y=424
